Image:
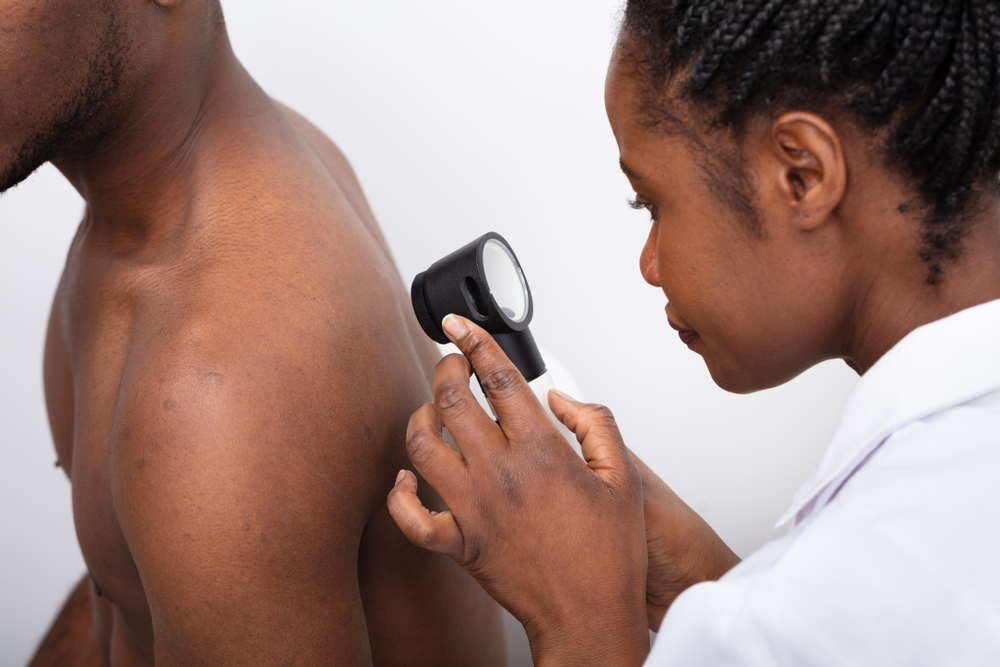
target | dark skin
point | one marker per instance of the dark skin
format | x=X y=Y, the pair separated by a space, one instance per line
x=71 y=641
x=832 y=271
x=230 y=364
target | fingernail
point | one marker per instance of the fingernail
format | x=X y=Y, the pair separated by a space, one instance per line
x=563 y=395
x=399 y=477
x=454 y=327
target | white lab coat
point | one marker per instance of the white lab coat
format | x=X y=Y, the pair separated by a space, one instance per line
x=893 y=555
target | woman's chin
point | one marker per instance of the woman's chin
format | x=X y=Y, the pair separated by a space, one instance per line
x=746 y=378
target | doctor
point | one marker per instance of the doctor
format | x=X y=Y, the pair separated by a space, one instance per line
x=822 y=182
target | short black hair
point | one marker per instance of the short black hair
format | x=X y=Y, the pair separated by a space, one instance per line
x=923 y=74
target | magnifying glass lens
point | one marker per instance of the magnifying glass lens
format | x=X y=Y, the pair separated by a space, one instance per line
x=506 y=282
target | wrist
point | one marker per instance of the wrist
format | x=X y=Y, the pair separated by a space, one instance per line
x=684 y=551
x=592 y=635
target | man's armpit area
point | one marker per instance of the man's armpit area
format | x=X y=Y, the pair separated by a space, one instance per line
x=243 y=511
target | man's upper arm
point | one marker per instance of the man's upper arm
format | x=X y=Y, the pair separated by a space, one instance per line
x=243 y=497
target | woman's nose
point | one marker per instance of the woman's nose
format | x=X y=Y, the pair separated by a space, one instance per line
x=647 y=259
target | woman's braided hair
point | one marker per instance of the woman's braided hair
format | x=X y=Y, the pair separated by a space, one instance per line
x=925 y=74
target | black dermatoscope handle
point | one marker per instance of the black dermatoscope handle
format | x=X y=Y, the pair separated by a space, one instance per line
x=481 y=281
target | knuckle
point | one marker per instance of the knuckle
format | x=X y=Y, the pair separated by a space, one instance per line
x=599 y=414
x=452 y=397
x=425 y=535
x=419 y=446
x=474 y=344
x=501 y=381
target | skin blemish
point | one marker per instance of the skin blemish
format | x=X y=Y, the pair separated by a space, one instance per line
x=212 y=378
x=170 y=405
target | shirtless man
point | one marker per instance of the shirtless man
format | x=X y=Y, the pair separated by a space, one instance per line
x=231 y=361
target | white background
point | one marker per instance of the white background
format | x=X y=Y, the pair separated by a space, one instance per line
x=459 y=117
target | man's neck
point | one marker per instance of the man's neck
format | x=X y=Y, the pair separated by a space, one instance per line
x=138 y=177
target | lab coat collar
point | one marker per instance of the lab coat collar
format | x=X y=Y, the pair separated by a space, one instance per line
x=935 y=367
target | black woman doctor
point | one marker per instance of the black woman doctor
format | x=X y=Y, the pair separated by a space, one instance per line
x=822 y=177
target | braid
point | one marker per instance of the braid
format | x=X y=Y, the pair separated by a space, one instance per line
x=877 y=43
x=963 y=129
x=924 y=72
x=904 y=19
x=795 y=19
x=909 y=69
x=697 y=18
x=987 y=97
x=732 y=36
x=993 y=14
x=915 y=135
x=838 y=27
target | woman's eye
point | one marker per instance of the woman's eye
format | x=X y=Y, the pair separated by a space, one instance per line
x=643 y=206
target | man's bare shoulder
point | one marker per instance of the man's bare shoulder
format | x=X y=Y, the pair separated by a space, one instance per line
x=256 y=433
x=275 y=162
x=278 y=319
x=208 y=414
x=235 y=493
x=262 y=360
x=328 y=151
x=334 y=160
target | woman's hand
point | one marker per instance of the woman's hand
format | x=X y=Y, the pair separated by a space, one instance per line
x=559 y=543
x=683 y=549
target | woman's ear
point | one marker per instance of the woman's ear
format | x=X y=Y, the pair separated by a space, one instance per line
x=805 y=168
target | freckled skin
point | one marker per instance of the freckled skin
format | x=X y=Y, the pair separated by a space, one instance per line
x=229 y=368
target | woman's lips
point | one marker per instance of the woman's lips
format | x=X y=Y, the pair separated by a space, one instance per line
x=688 y=336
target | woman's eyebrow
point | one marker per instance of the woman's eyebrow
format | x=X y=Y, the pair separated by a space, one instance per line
x=629 y=172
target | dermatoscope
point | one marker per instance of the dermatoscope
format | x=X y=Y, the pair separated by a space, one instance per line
x=483 y=282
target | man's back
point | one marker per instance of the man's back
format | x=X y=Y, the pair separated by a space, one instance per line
x=230 y=366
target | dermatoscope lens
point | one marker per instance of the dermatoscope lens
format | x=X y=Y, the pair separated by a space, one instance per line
x=506 y=282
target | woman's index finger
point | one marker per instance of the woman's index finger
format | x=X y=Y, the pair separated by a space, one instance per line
x=515 y=404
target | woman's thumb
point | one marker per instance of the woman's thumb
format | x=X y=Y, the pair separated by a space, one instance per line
x=596 y=431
